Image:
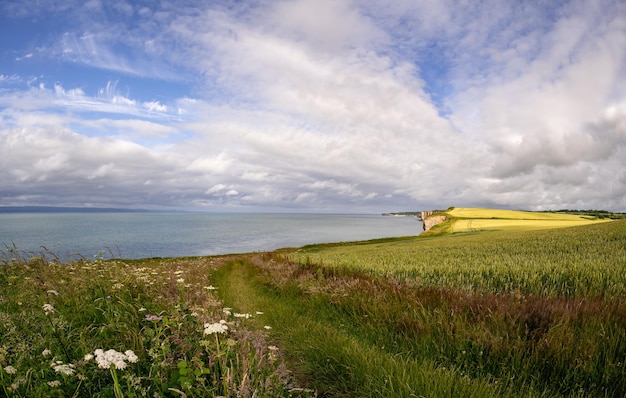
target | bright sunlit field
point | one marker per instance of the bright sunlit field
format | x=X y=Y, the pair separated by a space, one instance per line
x=473 y=220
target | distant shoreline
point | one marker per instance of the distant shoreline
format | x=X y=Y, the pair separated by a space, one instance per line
x=53 y=209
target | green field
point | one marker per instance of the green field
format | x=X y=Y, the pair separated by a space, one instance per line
x=512 y=312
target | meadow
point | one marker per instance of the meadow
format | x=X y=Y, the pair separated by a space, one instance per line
x=509 y=313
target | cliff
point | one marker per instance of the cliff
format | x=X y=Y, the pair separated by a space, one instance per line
x=430 y=219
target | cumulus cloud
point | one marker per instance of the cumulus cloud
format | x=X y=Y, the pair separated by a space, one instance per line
x=327 y=105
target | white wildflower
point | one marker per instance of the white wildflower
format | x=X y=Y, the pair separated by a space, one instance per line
x=237 y=315
x=267 y=327
x=213 y=328
x=259 y=312
x=88 y=357
x=53 y=292
x=46 y=352
x=10 y=369
x=111 y=357
x=65 y=369
x=210 y=287
x=227 y=311
x=142 y=309
x=180 y=280
x=132 y=358
x=48 y=308
x=54 y=383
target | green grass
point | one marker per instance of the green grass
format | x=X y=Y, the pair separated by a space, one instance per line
x=580 y=261
x=508 y=313
x=327 y=349
x=54 y=318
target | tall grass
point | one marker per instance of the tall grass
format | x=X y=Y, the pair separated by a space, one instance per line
x=515 y=314
x=569 y=262
x=328 y=350
x=354 y=334
x=114 y=328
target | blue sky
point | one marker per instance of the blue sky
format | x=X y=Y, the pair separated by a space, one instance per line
x=313 y=105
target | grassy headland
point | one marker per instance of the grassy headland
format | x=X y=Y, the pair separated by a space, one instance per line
x=508 y=312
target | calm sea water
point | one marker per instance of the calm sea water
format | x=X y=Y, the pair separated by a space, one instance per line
x=143 y=235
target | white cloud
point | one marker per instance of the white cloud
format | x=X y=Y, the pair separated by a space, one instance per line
x=334 y=104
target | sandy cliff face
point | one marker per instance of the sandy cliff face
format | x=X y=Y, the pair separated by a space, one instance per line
x=430 y=220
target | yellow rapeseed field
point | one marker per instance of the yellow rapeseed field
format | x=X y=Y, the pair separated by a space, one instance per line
x=474 y=219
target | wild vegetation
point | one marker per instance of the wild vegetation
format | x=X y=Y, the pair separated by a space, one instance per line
x=519 y=313
x=149 y=328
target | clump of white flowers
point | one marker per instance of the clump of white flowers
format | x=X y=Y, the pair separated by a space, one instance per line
x=214 y=328
x=48 y=309
x=63 y=368
x=111 y=357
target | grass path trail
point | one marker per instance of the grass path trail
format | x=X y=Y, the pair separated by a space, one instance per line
x=329 y=356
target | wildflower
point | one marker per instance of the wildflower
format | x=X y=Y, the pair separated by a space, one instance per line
x=213 y=328
x=88 y=357
x=65 y=369
x=48 y=309
x=151 y=318
x=130 y=355
x=267 y=327
x=236 y=315
x=111 y=357
x=54 y=383
x=259 y=312
x=180 y=280
x=227 y=311
x=46 y=352
x=10 y=369
x=272 y=348
x=210 y=287
x=53 y=292
x=142 y=309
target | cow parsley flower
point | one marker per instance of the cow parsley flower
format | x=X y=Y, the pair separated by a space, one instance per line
x=117 y=359
x=214 y=328
x=54 y=383
x=132 y=358
x=48 y=309
x=46 y=352
x=65 y=369
x=10 y=369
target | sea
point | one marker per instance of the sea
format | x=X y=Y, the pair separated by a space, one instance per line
x=128 y=235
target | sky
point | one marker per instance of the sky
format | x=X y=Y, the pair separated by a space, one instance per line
x=313 y=105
